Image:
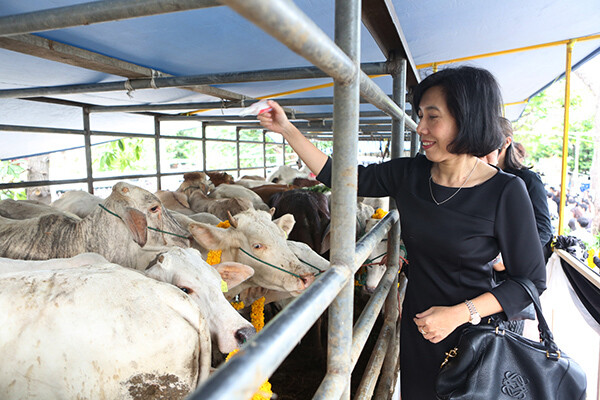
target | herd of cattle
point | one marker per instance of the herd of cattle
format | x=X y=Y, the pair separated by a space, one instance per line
x=113 y=298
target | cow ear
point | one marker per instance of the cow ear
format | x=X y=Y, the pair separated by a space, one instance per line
x=136 y=222
x=272 y=211
x=286 y=222
x=234 y=273
x=208 y=236
x=181 y=198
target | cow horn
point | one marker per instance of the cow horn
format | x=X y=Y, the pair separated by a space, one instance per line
x=232 y=221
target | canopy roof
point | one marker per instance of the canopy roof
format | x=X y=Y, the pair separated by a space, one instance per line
x=216 y=40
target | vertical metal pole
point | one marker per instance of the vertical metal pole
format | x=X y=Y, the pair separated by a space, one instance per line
x=565 y=154
x=157 y=152
x=264 y=134
x=237 y=149
x=283 y=151
x=343 y=214
x=204 y=147
x=386 y=380
x=414 y=138
x=88 y=149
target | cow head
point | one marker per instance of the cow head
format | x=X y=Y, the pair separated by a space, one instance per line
x=141 y=210
x=255 y=240
x=186 y=269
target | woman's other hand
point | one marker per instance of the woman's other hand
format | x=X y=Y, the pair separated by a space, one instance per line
x=436 y=323
x=275 y=120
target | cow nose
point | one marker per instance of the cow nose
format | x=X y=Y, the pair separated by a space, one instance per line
x=370 y=289
x=244 y=334
x=307 y=279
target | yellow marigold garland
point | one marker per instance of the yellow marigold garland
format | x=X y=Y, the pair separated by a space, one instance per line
x=379 y=213
x=214 y=258
x=238 y=305
x=257 y=317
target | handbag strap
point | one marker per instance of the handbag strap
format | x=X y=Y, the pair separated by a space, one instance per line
x=545 y=334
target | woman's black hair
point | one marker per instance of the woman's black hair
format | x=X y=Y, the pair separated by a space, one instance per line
x=512 y=158
x=474 y=100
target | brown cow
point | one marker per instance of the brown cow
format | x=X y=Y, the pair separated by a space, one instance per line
x=266 y=191
x=218 y=178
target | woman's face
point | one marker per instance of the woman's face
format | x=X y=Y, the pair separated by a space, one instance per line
x=437 y=127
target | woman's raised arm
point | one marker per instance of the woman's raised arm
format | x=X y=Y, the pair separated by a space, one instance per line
x=276 y=121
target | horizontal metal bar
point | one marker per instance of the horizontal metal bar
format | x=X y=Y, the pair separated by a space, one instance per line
x=19 y=185
x=94 y=12
x=367 y=243
x=293 y=117
x=368 y=317
x=247 y=370
x=181 y=81
x=288 y=24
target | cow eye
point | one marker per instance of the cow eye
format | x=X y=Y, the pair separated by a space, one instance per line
x=186 y=290
x=155 y=209
x=257 y=246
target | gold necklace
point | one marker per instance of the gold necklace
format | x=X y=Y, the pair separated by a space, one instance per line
x=457 y=190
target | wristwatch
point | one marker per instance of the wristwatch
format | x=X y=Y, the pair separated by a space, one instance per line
x=475 y=317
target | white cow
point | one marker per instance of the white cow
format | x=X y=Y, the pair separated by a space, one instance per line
x=98 y=332
x=376 y=271
x=286 y=175
x=131 y=230
x=8 y=265
x=185 y=269
x=255 y=240
x=23 y=209
x=227 y=191
x=77 y=202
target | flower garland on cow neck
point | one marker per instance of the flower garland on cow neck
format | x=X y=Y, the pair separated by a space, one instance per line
x=214 y=258
x=379 y=214
x=257 y=317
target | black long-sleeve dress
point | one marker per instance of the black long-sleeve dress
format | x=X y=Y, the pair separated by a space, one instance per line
x=450 y=247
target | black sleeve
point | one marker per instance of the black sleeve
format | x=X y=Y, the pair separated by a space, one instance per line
x=375 y=180
x=521 y=250
x=537 y=194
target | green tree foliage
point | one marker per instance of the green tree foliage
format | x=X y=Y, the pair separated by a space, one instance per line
x=123 y=154
x=540 y=128
x=11 y=171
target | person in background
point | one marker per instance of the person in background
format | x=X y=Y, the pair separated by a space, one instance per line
x=510 y=160
x=457 y=215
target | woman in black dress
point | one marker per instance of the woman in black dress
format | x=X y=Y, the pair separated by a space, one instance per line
x=456 y=212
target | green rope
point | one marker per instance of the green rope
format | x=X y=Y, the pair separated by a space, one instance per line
x=310 y=265
x=270 y=265
x=154 y=229
x=370 y=260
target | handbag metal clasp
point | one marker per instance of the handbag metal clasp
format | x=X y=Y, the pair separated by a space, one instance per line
x=451 y=354
x=498 y=332
x=552 y=356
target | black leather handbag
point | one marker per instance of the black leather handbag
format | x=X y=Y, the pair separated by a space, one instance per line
x=491 y=362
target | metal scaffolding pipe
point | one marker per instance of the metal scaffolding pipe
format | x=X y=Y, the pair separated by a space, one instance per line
x=346 y=90
x=94 y=12
x=295 y=117
x=366 y=321
x=245 y=372
x=216 y=105
x=367 y=383
x=288 y=24
x=182 y=81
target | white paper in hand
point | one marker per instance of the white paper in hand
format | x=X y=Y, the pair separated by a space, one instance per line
x=256 y=108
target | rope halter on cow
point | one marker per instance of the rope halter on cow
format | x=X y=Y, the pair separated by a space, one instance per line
x=151 y=228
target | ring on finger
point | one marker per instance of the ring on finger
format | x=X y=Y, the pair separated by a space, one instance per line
x=422 y=331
